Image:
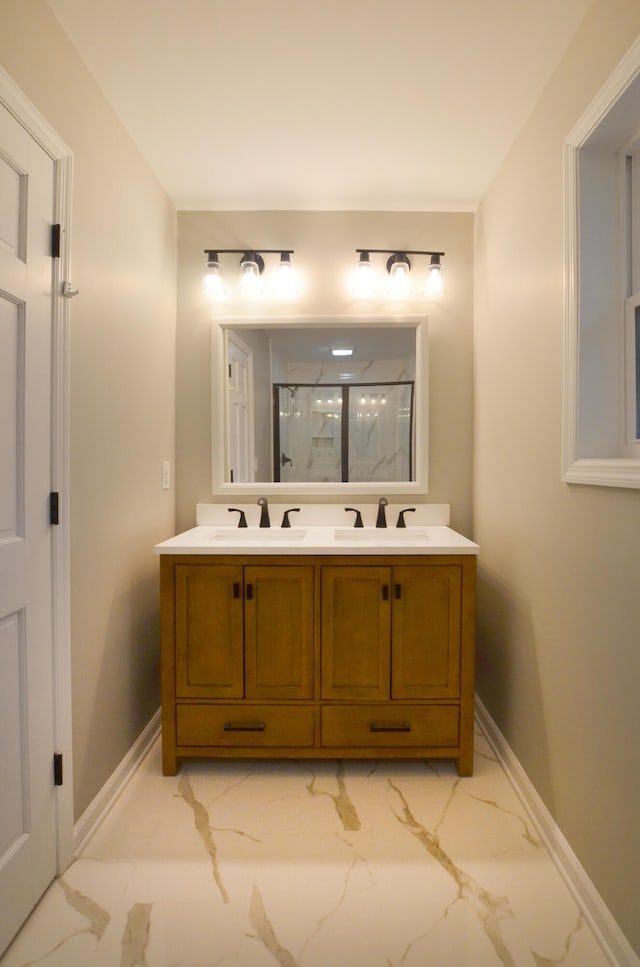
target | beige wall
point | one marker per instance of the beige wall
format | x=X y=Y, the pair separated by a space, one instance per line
x=325 y=244
x=558 y=628
x=121 y=394
x=559 y=631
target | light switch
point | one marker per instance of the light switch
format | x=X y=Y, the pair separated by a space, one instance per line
x=166 y=474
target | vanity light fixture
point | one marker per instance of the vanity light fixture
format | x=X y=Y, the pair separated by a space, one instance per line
x=252 y=266
x=399 y=266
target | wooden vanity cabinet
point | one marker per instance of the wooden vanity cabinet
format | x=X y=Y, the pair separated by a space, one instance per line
x=209 y=608
x=356 y=629
x=326 y=656
x=243 y=632
x=391 y=632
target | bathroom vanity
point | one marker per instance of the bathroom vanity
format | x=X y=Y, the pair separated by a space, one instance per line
x=318 y=643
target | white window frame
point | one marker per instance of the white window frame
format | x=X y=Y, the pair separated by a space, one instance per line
x=632 y=375
x=610 y=457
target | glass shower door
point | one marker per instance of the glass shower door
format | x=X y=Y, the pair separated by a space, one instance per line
x=380 y=432
x=308 y=434
x=373 y=443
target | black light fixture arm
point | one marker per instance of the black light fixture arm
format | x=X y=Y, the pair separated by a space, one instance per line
x=212 y=253
x=395 y=251
x=248 y=255
x=400 y=257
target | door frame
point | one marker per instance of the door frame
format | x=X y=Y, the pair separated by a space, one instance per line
x=40 y=130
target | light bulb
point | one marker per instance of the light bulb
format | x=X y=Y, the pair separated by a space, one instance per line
x=398 y=267
x=250 y=282
x=363 y=286
x=213 y=283
x=286 y=279
x=434 y=278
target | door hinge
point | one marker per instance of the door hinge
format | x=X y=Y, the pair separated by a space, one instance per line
x=54 y=507
x=55 y=241
x=57 y=768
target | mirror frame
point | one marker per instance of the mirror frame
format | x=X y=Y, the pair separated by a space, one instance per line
x=219 y=419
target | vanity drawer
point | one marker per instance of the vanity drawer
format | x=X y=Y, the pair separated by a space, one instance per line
x=267 y=726
x=400 y=726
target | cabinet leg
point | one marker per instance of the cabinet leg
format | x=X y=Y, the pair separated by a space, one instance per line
x=169 y=764
x=464 y=763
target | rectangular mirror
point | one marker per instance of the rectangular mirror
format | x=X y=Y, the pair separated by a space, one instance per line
x=288 y=417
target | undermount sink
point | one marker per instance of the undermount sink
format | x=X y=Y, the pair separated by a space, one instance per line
x=258 y=535
x=381 y=535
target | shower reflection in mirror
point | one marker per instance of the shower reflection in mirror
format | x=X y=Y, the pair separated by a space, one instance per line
x=355 y=432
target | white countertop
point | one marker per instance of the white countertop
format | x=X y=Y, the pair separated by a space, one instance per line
x=298 y=540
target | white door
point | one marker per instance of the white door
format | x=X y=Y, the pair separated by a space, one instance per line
x=241 y=454
x=27 y=794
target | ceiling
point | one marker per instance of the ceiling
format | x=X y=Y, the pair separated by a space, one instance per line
x=327 y=105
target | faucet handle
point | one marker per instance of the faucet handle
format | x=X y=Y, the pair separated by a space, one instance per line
x=285 y=517
x=358 y=521
x=401 y=520
x=242 y=520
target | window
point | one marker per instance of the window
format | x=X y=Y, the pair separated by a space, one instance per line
x=631 y=242
x=632 y=375
x=602 y=214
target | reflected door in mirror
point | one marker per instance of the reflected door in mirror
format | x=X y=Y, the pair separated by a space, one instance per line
x=240 y=410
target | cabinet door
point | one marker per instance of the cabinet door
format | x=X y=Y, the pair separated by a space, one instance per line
x=356 y=623
x=209 y=653
x=278 y=631
x=426 y=632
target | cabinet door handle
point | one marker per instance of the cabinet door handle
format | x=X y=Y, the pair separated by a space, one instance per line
x=236 y=589
x=385 y=592
x=244 y=727
x=249 y=592
x=389 y=727
x=398 y=591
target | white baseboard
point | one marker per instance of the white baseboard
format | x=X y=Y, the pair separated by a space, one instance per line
x=96 y=812
x=614 y=944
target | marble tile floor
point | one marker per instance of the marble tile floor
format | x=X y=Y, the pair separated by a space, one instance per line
x=311 y=864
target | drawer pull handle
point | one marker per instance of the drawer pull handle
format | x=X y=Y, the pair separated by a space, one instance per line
x=249 y=592
x=385 y=592
x=236 y=589
x=398 y=592
x=244 y=727
x=389 y=727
